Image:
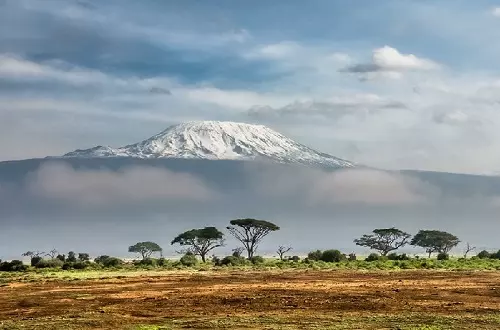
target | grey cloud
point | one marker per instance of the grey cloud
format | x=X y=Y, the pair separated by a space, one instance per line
x=326 y=109
x=456 y=118
x=362 y=68
x=371 y=187
x=103 y=188
x=160 y=90
x=368 y=187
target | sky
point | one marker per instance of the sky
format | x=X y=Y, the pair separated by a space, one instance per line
x=391 y=83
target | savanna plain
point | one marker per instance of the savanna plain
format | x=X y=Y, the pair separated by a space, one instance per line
x=316 y=297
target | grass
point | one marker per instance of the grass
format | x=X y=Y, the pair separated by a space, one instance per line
x=130 y=270
x=400 y=322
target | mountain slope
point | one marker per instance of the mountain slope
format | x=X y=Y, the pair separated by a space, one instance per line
x=218 y=141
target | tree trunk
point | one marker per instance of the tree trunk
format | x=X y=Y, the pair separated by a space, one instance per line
x=429 y=255
x=202 y=257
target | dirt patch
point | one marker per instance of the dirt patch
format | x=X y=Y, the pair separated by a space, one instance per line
x=290 y=298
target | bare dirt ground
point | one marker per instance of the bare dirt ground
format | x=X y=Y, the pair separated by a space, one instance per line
x=295 y=299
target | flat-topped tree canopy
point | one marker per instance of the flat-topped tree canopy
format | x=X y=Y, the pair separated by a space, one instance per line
x=249 y=222
x=384 y=240
x=145 y=249
x=435 y=241
x=250 y=232
x=200 y=241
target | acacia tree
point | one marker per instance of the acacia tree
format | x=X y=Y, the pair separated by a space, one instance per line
x=435 y=241
x=52 y=253
x=145 y=249
x=35 y=256
x=282 y=250
x=250 y=232
x=468 y=248
x=200 y=241
x=384 y=240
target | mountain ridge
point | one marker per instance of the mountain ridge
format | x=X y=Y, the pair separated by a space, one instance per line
x=218 y=140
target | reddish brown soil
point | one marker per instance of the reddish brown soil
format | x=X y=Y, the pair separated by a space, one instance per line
x=291 y=297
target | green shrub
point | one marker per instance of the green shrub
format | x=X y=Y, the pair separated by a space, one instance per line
x=332 y=256
x=13 y=266
x=395 y=256
x=35 y=260
x=83 y=257
x=101 y=259
x=294 y=259
x=233 y=261
x=71 y=257
x=61 y=257
x=443 y=256
x=256 y=260
x=146 y=262
x=373 y=257
x=484 y=255
x=495 y=255
x=107 y=261
x=49 y=263
x=76 y=265
x=189 y=259
x=162 y=262
x=314 y=255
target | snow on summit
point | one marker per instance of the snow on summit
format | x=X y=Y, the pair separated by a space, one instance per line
x=218 y=140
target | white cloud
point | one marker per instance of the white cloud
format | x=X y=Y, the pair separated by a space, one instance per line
x=496 y=12
x=390 y=59
x=389 y=63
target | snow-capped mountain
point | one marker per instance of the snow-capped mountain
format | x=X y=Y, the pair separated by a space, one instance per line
x=218 y=140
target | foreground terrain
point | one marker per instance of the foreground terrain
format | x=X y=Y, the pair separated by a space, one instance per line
x=236 y=299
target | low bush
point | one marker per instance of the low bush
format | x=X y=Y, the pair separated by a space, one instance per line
x=233 y=261
x=189 y=260
x=83 y=257
x=49 y=263
x=76 y=265
x=257 y=260
x=373 y=257
x=13 y=266
x=35 y=260
x=314 y=255
x=332 y=256
x=146 y=262
x=443 y=256
x=395 y=256
x=107 y=261
x=484 y=255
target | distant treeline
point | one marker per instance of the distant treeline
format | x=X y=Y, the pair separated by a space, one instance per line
x=198 y=243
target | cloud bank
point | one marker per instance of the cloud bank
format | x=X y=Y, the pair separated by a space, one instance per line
x=90 y=188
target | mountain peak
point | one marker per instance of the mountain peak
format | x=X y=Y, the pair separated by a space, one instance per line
x=218 y=140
